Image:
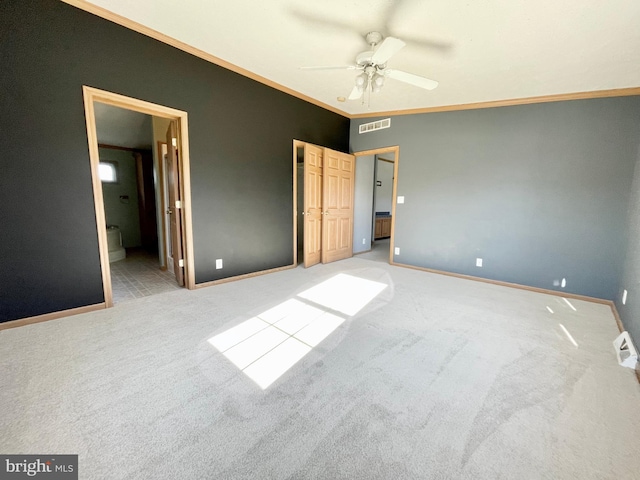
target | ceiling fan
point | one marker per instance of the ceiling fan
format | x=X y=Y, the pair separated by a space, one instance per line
x=373 y=65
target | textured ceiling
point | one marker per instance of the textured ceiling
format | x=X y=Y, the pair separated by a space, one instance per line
x=478 y=50
x=123 y=128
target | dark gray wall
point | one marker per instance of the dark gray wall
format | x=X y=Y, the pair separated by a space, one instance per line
x=540 y=192
x=240 y=136
x=630 y=312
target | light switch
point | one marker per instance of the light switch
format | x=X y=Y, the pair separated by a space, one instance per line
x=401 y=199
x=397 y=250
x=218 y=263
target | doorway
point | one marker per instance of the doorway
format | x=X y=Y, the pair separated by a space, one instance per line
x=375 y=203
x=152 y=210
x=131 y=203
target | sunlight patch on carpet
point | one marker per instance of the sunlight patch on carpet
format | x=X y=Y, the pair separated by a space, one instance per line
x=344 y=293
x=268 y=345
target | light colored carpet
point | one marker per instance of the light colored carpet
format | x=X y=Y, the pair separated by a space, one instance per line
x=436 y=378
x=379 y=251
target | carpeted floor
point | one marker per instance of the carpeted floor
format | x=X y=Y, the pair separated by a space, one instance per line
x=435 y=378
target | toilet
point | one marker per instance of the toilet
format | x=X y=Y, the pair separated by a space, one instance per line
x=114 y=241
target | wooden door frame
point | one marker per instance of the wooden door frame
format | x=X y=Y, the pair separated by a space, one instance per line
x=92 y=95
x=396 y=153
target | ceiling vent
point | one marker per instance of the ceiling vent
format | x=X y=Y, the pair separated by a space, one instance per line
x=377 y=125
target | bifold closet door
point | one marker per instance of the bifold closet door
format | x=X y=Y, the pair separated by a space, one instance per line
x=338 y=180
x=312 y=213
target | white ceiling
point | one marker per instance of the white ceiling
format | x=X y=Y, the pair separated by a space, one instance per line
x=498 y=49
x=123 y=128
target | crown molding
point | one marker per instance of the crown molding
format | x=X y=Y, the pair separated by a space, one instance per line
x=149 y=32
x=562 y=97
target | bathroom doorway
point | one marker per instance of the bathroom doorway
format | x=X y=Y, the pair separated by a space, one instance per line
x=129 y=155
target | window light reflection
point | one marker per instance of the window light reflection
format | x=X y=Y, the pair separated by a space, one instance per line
x=570 y=305
x=569 y=336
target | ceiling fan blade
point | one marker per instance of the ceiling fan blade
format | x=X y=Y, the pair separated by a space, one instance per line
x=437 y=45
x=387 y=49
x=411 y=79
x=317 y=20
x=355 y=94
x=331 y=67
x=389 y=16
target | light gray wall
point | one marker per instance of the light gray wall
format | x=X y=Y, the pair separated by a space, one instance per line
x=384 y=174
x=540 y=192
x=630 y=311
x=118 y=211
x=363 y=203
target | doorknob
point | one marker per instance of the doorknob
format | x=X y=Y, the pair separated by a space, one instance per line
x=327 y=212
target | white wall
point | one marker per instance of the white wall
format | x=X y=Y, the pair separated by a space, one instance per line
x=160 y=126
x=384 y=193
x=363 y=203
x=122 y=212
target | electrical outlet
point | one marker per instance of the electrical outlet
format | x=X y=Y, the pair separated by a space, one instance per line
x=364 y=240
x=478 y=262
x=397 y=250
x=401 y=199
x=218 y=263
x=563 y=283
x=624 y=297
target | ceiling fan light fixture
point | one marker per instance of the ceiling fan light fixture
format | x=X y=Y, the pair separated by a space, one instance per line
x=377 y=81
x=372 y=66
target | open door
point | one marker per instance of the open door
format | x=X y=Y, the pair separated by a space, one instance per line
x=337 y=202
x=175 y=218
x=312 y=213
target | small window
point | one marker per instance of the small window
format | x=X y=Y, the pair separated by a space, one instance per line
x=108 y=172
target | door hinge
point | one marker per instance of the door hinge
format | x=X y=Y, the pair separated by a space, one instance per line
x=181 y=263
x=174 y=142
x=178 y=204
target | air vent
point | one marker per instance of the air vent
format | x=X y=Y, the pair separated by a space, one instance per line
x=377 y=125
